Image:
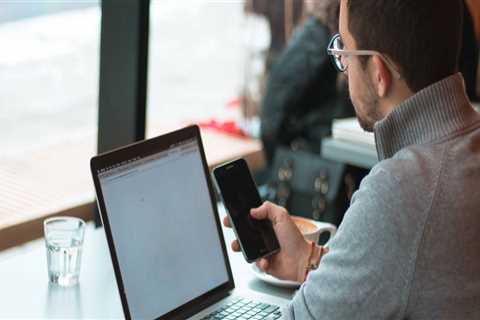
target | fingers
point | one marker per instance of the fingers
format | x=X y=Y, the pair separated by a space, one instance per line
x=226 y=222
x=235 y=246
x=262 y=212
x=269 y=211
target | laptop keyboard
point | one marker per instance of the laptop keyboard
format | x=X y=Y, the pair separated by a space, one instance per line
x=243 y=309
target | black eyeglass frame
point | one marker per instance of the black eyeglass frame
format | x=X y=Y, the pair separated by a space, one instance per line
x=336 y=52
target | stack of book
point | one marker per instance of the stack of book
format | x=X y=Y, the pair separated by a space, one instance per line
x=349 y=130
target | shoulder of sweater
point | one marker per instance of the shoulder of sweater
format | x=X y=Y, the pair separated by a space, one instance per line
x=396 y=197
x=413 y=162
x=410 y=177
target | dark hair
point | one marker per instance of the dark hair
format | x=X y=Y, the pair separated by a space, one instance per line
x=423 y=37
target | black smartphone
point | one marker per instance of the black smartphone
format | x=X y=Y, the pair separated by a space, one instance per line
x=240 y=194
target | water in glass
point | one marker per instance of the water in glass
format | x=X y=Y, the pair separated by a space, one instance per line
x=64 y=240
x=63 y=259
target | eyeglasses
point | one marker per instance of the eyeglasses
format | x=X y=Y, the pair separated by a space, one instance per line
x=335 y=49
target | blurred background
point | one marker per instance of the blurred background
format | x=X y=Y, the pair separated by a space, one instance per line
x=199 y=53
x=208 y=63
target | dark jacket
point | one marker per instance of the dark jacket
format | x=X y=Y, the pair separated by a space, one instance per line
x=302 y=97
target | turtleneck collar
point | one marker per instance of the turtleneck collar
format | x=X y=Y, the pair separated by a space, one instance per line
x=433 y=113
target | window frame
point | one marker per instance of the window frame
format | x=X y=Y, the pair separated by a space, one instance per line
x=123 y=74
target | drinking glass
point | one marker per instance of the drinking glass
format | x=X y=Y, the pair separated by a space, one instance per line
x=64 y=240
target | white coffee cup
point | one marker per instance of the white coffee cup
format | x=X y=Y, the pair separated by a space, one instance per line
x=312 y=229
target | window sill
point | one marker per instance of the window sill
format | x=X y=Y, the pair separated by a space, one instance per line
x=31 y=191
x=24 y=231
x=42 y=181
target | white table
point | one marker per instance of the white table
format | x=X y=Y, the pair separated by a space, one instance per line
x=26 y=293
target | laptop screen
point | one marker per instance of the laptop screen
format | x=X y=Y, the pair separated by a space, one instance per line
x=162 y=224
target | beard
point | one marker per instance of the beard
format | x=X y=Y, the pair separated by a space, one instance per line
x=367 y=121
x=366 y=107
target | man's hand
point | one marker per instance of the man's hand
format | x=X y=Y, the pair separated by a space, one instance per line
x=289 y=263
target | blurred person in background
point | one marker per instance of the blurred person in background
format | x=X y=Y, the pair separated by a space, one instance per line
x=282 y=17
x=302 y=94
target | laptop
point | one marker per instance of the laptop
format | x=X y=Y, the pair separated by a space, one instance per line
x=159 y=212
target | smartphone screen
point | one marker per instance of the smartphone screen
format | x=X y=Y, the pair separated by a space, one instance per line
x=239 y=192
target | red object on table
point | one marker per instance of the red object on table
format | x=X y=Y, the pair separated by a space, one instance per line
x=228 y=127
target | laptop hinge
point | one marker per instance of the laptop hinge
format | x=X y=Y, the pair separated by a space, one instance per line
x=204 y=304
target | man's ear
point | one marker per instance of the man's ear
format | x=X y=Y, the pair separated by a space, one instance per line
x=382 y=76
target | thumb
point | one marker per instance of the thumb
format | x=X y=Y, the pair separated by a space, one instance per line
x=266 y=211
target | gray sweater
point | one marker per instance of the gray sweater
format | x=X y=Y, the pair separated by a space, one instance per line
x=409 y=245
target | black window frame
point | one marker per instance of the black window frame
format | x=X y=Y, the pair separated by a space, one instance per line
x=123 y=74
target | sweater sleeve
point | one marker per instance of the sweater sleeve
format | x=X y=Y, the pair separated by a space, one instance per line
x=369 y=269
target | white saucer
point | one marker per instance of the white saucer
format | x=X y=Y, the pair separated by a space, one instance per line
x=271 y=279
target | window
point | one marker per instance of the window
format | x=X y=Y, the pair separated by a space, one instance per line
x=49 y=61
x=203 y=56
x=196 y=62
x=59 y=94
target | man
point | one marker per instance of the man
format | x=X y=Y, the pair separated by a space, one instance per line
x=409 y=245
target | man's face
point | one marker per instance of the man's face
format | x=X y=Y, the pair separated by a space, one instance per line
x=362 y=90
